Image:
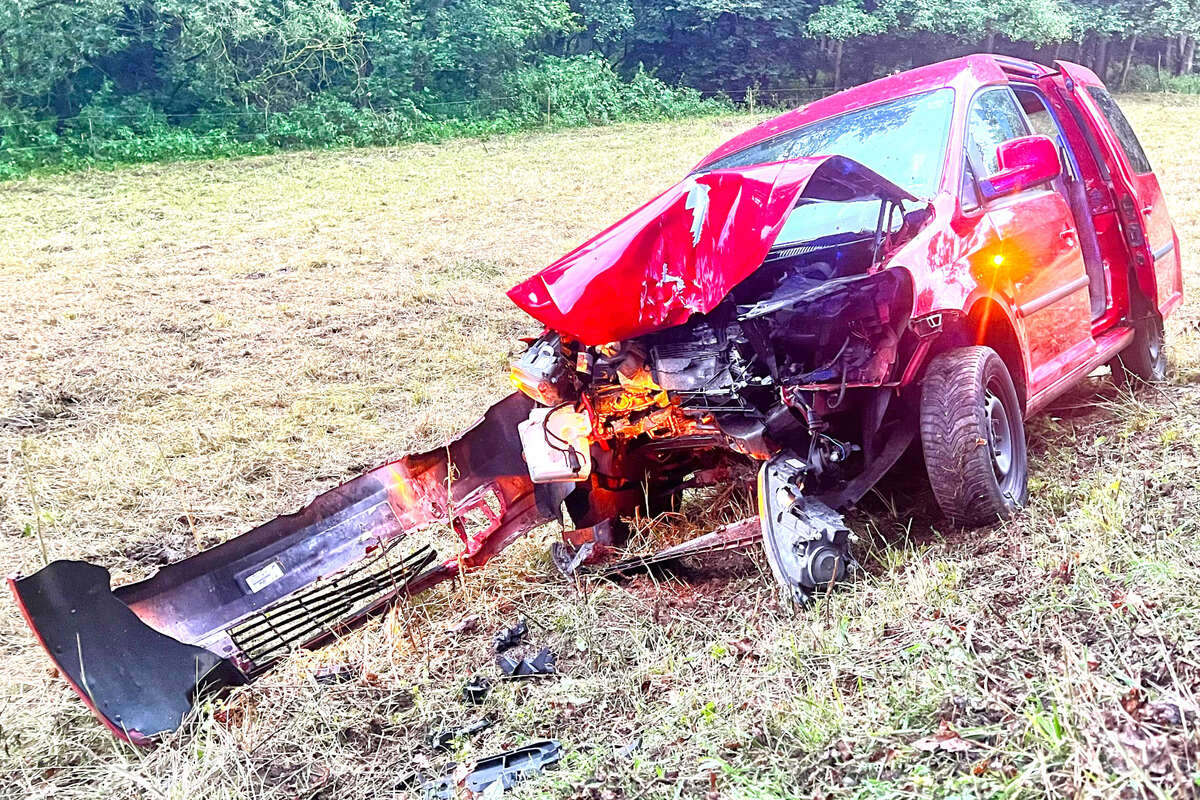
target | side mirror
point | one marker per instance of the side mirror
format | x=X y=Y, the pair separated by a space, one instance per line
x=1024 y=162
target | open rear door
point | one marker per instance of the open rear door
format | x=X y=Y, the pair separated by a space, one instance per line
x=1139 y=198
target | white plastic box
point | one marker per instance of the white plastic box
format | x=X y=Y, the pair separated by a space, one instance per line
x=555 y=443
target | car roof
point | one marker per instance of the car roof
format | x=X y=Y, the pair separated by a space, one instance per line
x=965 y=73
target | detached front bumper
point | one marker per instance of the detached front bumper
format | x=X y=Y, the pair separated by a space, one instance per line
x=139 y=655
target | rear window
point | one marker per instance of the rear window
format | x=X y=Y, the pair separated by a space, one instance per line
x=1116 y=118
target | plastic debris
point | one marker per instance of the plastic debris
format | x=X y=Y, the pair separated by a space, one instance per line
x=476 y=689
x=443 y=739
x=335 y=673
x=541 y=664
x=498 y=773
x=510 y=638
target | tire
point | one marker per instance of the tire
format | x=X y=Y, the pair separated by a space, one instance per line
x=1145 y=358
x=973 y=437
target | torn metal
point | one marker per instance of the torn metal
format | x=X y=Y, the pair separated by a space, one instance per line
x=772 y=317
x=139 y=654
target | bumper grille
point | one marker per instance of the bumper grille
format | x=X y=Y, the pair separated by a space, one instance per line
x=314 y=611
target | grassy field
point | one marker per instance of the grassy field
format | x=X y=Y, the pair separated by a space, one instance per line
x=190 y=350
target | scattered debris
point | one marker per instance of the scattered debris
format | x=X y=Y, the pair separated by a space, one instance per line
x=805 y=322
x=467 y=624
x=946 y=739
x=591 y=545
x=629 y=748
x=510 y=638
x=476 y=689
x=503 y=770
x=736 y=536
x=567 y=561
x=443 y=739
x=335 y=673
x=541 y=664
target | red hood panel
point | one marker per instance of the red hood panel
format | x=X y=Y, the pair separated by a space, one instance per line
x=682 y=252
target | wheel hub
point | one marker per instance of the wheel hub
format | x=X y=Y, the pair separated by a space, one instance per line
x=1000 y=441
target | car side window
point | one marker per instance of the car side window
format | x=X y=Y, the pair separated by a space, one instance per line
x=1120 y=125
x=994 y=118
x=1042 y=121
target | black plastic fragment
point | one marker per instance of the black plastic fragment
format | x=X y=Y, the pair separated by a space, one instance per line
x=443 y=739
x=511 y=637
x=541 y=664
x=476 y=689
x=508 y=769
x=335 y=673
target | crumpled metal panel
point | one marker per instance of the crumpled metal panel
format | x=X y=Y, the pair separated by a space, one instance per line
x=682 y=253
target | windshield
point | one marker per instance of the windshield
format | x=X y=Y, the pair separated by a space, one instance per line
x=904 y=140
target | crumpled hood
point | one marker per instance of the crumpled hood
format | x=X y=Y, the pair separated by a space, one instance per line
x=683 y=251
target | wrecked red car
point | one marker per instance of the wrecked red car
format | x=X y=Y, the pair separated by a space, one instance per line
x=934 y=255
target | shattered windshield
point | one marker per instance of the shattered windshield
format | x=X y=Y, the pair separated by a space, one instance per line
x=904 y=140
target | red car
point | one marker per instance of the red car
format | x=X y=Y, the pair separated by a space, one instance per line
x=941 y=252
x=937 y=254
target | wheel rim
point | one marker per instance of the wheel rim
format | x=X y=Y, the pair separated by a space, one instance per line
x=1000 y=438
x=1154 y=349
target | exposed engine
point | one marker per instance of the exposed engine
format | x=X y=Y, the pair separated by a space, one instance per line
x=770 y=368
x=797 y=367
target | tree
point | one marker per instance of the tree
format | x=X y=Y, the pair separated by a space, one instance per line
x=845 y=20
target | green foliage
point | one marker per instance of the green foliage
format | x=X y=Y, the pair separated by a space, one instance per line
x=585 y=90
x=1144 y=78
x=848 y=19
x=103 y=81
x=582 y=90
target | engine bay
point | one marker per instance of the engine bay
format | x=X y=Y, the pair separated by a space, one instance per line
x=794 y=359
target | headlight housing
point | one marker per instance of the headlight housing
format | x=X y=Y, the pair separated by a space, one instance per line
x=543 y=373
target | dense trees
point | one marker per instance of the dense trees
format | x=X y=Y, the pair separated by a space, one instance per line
x=225 y=68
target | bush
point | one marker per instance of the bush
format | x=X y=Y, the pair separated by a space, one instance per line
x=582 y=90
x=1145 y=78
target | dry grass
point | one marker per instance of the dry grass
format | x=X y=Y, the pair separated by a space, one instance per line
x=193 y=349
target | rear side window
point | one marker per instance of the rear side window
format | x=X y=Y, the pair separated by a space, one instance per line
x=1037 y=113
x=1116 y=118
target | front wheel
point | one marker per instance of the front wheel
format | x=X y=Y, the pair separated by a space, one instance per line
x=973 y=437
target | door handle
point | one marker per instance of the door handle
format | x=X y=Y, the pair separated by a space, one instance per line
x=1068 y=236
x=1146 y=209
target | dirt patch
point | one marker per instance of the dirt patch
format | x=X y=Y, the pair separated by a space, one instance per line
x=33 y=409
